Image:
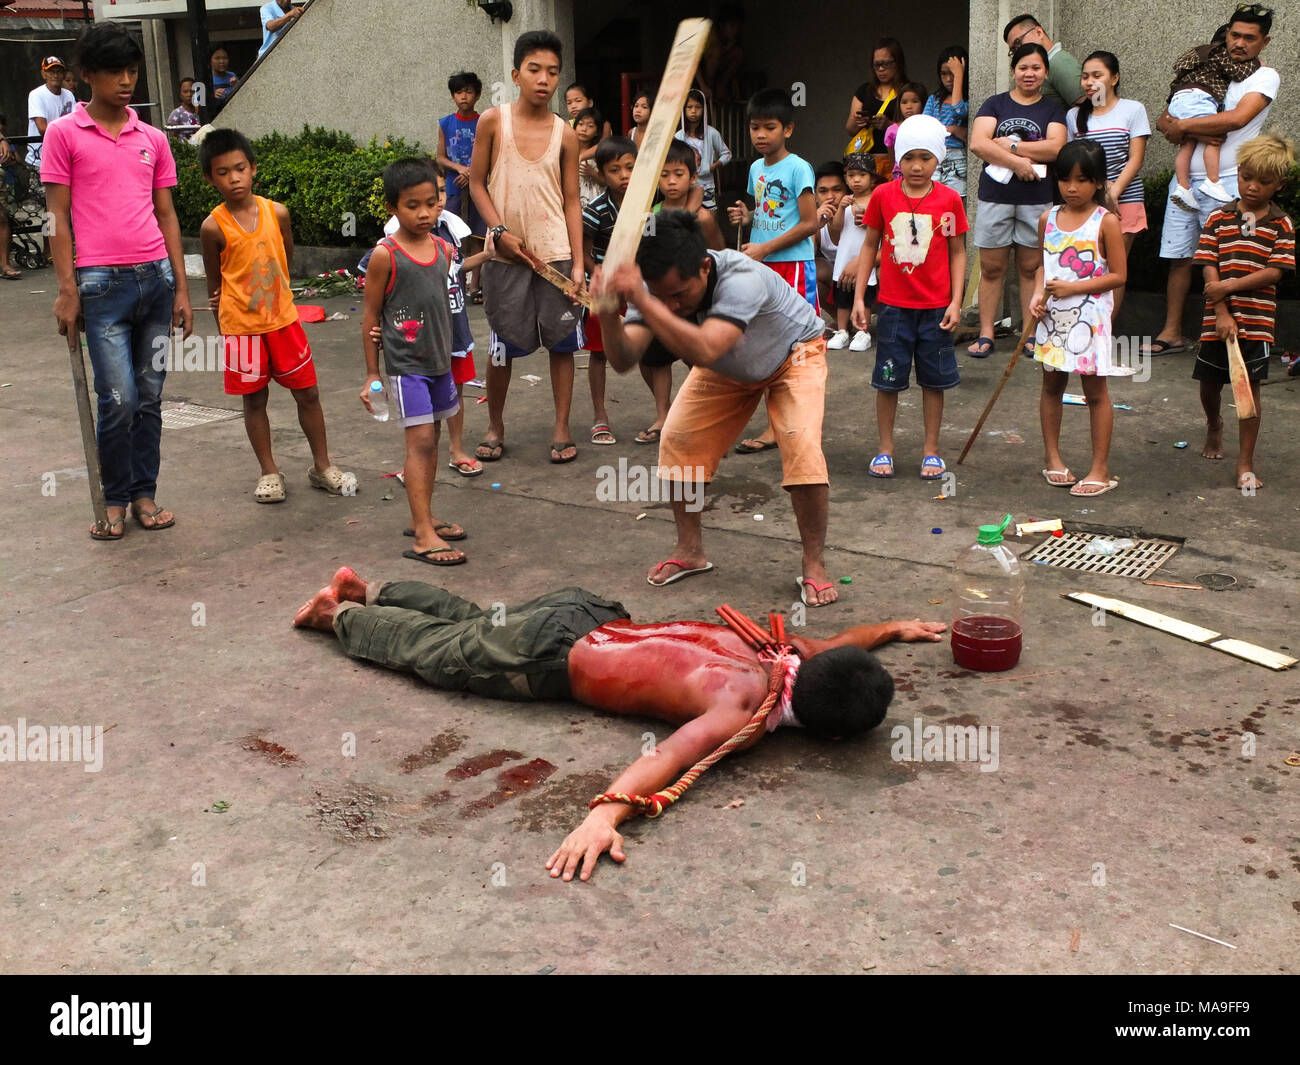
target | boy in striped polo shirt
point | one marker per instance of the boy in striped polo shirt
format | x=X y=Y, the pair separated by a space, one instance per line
x=1245 y=247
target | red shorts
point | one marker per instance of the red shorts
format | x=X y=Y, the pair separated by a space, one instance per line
x=462 y=367
x=252 y=361
x=595 y=339
x=800 y=276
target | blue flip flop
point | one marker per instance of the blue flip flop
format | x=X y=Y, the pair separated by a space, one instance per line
x=932 y=462
x=985 y=345
x=871 y=468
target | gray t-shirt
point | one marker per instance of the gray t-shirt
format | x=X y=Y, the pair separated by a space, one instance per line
x=756 y=298
x=416 y=315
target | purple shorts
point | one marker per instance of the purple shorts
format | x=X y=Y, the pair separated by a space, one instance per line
x=419 y=400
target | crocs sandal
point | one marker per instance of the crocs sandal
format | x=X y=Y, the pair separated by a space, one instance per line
x=270 y=488
x=331 y=479
x=684 y=572
x=981 y=348
x=602 y=434
x=935 y=464
x=430 y=556
x=882 y=462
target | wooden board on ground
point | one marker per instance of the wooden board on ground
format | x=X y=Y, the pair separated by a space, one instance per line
x=679 y=72
x=561 y=281
x=1261 y=656
x=1241 y=393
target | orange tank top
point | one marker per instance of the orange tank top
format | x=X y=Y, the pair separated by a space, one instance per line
x=255 y=296
x=529 y=193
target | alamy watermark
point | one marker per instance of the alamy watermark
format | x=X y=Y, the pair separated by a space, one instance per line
x=920 y=742
x=53 y=743
x=634 y=483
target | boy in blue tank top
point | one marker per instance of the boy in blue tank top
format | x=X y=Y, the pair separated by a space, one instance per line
x=406 y=297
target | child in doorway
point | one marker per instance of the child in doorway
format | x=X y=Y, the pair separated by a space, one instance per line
x=576 y=100
x=707 y=142
x=247 y=246
x=1084 y=261
x=641 y=107
x=784 y=219
x=1246 y=247
x=847 y=229
x=524 y=179
x=587 y=127
x=917 y=225
x=456 y=133
x=909 y=101
x=1201 y=79
x=406 y=296
x=615 y=157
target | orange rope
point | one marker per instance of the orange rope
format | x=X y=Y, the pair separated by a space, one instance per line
x=654 y=805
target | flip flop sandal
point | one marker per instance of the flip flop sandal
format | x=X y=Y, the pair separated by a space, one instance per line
x=556 y=449
x=428 y=556
x=1163 y=347
x=12 y=275
x=442 y=531
x=647 y=436
x=981 y=348
x=466 y=468
x=1047 y=476
x=120 y=523
x=331 y=479
x=932 y=462
x=476 y=297
x=876 y=464
x=270 y=488
x=495 y=449
x=748 y=449
x=681 y=574
x=804 y=583
x=600 y=429
x=137 y=513
x=1106 y=487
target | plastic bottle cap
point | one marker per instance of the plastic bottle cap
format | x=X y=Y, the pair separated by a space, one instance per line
x=936 y=531
x=992 y=534
x=376 y=386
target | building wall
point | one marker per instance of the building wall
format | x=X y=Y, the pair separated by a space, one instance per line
x=381 y=68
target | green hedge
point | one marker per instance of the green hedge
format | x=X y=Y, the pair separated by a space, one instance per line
x=1147 y=271
x=318 y=174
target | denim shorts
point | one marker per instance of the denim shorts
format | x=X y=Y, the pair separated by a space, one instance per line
x=904 y=334
x=1182 y=229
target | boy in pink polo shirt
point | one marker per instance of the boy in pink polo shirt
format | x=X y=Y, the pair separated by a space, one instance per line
x=107 y=177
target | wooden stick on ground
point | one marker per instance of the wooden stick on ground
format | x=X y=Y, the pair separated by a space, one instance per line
x=87 y=419
x=679 y=72
x=1006 y=375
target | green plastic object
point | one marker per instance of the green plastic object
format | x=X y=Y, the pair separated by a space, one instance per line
x=846 y=580
x=992 y=534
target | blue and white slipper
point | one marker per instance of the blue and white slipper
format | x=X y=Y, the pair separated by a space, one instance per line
x=934 y=463
x=881 y=461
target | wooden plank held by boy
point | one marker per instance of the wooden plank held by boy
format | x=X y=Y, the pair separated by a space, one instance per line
x=563 y=282
x=1241 y=393
x=86 y=417
x=688 y=47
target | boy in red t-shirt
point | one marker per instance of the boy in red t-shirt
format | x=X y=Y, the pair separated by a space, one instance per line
x=922 y=269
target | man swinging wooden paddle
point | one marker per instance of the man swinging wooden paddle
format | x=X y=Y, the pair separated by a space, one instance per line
x=708 y=680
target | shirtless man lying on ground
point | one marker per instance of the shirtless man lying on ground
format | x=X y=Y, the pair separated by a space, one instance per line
x=571 y=644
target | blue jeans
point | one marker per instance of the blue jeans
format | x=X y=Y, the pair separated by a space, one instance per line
x=128 y=315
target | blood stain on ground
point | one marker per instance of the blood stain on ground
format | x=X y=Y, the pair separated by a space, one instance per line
x=560 y=806
x=438 y=748
x=511 y=782
x=273 y=752
x=481 y=763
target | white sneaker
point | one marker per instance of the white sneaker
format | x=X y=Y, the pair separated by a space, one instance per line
x=839 y=341
x=861 y=341
x=1184 y=198
x=1215 y=190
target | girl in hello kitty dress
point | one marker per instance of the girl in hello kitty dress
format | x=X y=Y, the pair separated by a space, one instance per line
x=1083 y=263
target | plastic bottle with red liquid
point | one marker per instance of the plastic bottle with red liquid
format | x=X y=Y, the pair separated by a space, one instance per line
x=988 y=597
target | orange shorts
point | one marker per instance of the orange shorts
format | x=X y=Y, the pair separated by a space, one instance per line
x=251 y=361
x=711 y=411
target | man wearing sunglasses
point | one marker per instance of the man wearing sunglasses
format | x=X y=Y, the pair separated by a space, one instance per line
x=1245 y=111
x=1062 y=85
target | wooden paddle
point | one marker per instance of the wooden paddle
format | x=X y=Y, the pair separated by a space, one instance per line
x=86 y=418
x=1241 y=393
x=1006 y=375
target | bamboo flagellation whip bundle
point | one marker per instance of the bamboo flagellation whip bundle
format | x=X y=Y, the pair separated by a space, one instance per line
x=688 y=47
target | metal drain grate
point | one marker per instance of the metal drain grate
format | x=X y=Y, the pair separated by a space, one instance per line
x=188 y=415
x=1071 y=552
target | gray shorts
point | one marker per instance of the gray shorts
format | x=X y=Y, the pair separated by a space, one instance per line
x=999 y=225
x=528 y=312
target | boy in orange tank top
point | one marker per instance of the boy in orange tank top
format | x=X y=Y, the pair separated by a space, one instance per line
x=523 y=177
x=247 y=247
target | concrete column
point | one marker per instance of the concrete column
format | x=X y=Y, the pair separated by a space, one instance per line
x=158 y=63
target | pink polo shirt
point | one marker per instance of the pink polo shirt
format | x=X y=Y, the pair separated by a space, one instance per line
x=112 y=184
